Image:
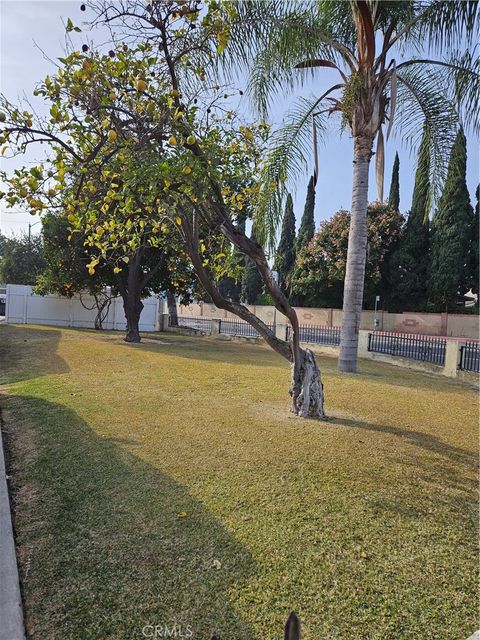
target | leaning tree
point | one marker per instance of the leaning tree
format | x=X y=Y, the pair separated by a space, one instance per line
x=150 y=97
x=379 y=87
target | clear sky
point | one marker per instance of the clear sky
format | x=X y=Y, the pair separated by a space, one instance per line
x=31 y=31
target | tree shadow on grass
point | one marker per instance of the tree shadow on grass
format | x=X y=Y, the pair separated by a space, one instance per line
x=385 y=373
x=259 y=354
x=425 y=441
x=211 y=349
x=109 y=543
x=27 y=353
x=434 y=487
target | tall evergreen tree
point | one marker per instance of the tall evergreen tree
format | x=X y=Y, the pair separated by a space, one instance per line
x=394 y=196
x=285 y=256
x=472 y=280
x=451 y=226
x=409 y=270
x=307 y=223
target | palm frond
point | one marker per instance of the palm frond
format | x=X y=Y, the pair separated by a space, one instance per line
x=392 y=12
x=460 y=81
x=289 y=155
x=283 y=62
x=273 y=37
x=442 y=25
x=464 y=78
x=423 y=105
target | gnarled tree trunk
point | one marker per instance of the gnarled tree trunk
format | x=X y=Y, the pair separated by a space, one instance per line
x=356 y=256
x=133 y=307
x=306 y=388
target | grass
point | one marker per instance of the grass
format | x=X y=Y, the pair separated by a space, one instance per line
x=166 y=483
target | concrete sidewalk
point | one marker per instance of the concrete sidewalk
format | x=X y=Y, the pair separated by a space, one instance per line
x=11 y=613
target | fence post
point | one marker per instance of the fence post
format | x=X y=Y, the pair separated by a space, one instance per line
x=443 y=324
x=281 y=331
x=452 y=358
x=363 y=343
x=329 y=317
x=158 y=305
x=163 y=322
x=215 y=330
x=25 y=307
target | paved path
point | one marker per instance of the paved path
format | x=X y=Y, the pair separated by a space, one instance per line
x=11 y=613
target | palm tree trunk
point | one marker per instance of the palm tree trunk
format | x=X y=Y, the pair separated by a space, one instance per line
x=356 y=256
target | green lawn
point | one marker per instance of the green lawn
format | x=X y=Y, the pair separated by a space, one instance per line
x=167 y=483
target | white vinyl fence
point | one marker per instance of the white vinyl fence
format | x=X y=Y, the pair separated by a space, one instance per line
x=25 y=307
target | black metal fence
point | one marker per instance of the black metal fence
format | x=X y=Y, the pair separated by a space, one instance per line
x=424 y=348
x=317 y=334
x=239 y=328
x=470 y=357
x=200 y=324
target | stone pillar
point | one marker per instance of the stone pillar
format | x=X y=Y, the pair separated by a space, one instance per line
x=363 y=343
x=281 y=331
x=443 y=324
x=215 y=327
x=329 y=317
x=163 y=322
x=452 y=358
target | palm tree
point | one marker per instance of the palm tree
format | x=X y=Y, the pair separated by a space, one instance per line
x=364 y=42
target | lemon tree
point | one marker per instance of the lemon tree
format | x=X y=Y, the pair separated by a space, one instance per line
x=149 y=109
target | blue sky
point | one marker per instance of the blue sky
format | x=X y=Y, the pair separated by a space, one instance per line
x=32 y=31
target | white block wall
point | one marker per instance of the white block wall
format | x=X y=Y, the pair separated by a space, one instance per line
x=25 y=307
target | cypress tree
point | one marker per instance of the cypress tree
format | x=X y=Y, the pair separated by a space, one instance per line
x=472 y=280
x=285 y=256
x=307 y=223
x=475 y=254
x=252 y=283
x=409 y=265
x=451 y=227
x=394 y=196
